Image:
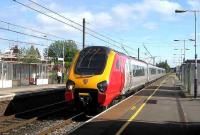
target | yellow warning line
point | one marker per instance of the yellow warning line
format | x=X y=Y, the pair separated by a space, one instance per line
x=138 y=111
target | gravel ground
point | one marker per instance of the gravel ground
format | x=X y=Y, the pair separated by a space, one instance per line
x=41 y=125
x=34 y=128
x=66 y=128
x=38 y=126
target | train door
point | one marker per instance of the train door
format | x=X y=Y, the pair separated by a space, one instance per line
x=127 y=82
x=117 y=76
x=119 y=73
x=122 y=71
x=148 y=73
x=131 y=75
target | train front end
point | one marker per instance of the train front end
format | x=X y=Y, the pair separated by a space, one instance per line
x=88 y=78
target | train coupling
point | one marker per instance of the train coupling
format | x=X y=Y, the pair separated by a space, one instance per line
x=85 y=98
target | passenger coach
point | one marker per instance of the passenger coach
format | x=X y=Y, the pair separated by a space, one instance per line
x=98 y=75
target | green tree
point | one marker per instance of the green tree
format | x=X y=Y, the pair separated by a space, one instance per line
x=164 y=65
x=55 y=50
x=30 y=55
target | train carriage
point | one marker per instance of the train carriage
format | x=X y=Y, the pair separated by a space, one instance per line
x=98 y=75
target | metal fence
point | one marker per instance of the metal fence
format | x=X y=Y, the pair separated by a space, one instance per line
x=5 y=75
x=15 y=74
x=187 y=73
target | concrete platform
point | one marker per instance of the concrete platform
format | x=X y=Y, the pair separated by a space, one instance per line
x=9 y=93
x=158 y=109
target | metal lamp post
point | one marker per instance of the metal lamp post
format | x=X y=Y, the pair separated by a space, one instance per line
x=183 y=50
x=195 y=44
x=180 y=59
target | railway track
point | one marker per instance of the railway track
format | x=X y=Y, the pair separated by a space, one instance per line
x=75 y=120
x=61 y=127
x=8 y=123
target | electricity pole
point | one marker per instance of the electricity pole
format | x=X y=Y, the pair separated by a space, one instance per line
x=83 y=33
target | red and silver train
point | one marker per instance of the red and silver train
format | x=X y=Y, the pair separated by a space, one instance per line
x=99 y=75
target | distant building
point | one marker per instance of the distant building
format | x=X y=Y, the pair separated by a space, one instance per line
x=10 y=55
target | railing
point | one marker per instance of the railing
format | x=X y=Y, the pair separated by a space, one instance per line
x=187 y=77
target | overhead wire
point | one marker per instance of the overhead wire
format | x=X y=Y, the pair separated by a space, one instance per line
x=147 y=50
x=22 y=33
x=73 y=21
x=23 y=42
x=64 y=22
x=72 y=25
x=108 y=42
x=95 y=32
x=23 y=27
x=36 y=31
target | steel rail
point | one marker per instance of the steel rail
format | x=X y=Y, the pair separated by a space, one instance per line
x=11 y=122
x=60 y=125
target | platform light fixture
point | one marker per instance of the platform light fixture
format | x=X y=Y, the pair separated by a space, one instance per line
x=176 y=40
x=180 y=54
x=180 y=11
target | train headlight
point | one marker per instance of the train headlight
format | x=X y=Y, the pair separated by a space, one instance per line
x=70 y=85
x=102 y=86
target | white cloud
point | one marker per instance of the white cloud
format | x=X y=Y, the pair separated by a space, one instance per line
x=103 y=19
x=195 y=4
x=151 y=25
x=53 y=26
x=122 y=16
x=123 y=10
x=140 y=10
x=163 y=6
x=100 y=20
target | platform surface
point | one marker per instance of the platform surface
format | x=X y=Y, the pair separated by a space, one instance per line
x=158 y=109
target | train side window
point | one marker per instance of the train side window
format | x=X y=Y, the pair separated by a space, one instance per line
x=152 y=71
x=117 y=64
x=159 y=71
x=138 y=71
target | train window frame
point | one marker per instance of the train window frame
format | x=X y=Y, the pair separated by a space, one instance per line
x=86 y=55
x=152 y=71
x=159 y=71
x=138 y=71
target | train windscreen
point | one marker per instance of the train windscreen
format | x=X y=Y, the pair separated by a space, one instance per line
x=91 y=61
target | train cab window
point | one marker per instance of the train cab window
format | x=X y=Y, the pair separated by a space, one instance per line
x=91 y=61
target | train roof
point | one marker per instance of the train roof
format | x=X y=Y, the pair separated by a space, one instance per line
x=109 y=49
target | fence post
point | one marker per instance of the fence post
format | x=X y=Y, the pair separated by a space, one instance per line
x=2 y=75
x=20 y=65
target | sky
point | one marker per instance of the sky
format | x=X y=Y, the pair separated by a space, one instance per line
x=133 y=23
